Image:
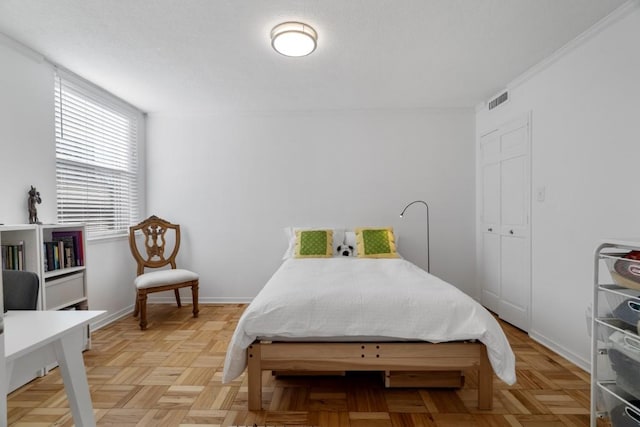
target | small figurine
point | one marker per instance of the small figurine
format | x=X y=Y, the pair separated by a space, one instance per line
x=34 y=197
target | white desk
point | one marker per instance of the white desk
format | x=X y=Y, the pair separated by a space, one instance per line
x=34 y=339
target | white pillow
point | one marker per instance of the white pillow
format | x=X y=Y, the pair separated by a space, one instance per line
x=290 y=232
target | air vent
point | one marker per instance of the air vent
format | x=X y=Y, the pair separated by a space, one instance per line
x=500 y=99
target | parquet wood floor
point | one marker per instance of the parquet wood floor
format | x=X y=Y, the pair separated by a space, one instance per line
x=170 y=375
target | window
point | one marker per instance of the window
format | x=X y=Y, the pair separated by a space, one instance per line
x=96 y=157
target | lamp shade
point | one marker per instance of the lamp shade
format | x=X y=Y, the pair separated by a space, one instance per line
x=294 y=39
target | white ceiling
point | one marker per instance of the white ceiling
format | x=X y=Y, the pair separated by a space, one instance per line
x=202 y=56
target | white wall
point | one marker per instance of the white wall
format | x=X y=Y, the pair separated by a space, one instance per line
x=27 y=145
x=27 y=157
x=233 y=182
x=585 y=150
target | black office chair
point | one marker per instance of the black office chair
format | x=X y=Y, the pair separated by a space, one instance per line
x=20 y=290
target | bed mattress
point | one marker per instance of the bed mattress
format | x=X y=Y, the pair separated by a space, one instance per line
x=354 y=298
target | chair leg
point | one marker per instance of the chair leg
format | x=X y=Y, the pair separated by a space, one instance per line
x=142 y=302
x=194 y=293
x=177 y=293
x=136 y=309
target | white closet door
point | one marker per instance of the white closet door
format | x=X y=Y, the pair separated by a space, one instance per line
x=504 y=227
x=490 y=270
x=491 y=194
x=513 y=194
x=515 y=290
x=490 y=234
x=514 y=213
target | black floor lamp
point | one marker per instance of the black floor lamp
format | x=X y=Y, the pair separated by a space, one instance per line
x=428 y=250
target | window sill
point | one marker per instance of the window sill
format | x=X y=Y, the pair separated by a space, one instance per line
x=105 y=239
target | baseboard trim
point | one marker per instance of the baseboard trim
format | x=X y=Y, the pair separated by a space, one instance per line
x=112 y=317
x=561 y=350
x=205 y=300
x=104 y=321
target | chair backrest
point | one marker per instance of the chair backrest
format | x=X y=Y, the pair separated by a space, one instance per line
x=20 y=290
x=154 y=230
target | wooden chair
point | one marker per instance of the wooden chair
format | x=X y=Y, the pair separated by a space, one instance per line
x=155 y=230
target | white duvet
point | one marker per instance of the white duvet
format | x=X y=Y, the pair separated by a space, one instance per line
x=354 y=297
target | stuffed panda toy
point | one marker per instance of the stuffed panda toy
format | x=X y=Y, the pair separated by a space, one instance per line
x=345 y=250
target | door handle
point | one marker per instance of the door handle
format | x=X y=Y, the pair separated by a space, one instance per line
x=510 y=231
x=490 y=229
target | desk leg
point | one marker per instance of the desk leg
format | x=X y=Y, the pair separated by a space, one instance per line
x=74 y=375
x=8 y=371
x=3 y=393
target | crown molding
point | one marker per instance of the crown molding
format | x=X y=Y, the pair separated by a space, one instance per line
x=581 y=39
x=21 y=48
x=615 y=16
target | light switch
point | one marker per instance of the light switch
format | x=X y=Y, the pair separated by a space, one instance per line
x=540 y=193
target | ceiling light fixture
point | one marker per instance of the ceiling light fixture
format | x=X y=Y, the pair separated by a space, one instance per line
x=294 y=39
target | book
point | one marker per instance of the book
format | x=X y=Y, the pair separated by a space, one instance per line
x=67 y=245
x=44 y=257
x=13 y=256
x=50 y=260
x=56 y=256
x=73 y=239
x=68 y=258
x=63 y=263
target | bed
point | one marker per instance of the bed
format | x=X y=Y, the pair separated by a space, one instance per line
x=347 y=313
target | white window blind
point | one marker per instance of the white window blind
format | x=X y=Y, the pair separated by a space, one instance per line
x=96 y=157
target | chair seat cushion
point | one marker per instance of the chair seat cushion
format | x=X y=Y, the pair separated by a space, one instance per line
x=164 y=277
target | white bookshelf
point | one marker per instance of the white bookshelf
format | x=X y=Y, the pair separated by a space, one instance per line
x=64 y=287
x=61 y=288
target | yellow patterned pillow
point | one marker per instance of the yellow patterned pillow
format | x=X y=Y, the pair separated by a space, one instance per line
x=314 y=244
x=376 y=242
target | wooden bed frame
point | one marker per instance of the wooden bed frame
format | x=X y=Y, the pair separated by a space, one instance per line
x=368 y=356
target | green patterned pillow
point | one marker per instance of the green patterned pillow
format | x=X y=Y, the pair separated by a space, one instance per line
x=314 y=244
x=376 y=243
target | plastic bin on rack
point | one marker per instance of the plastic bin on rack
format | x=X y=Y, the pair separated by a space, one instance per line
x=628 y=311
x=618 y=407
x=604 y=365
x=622 y=414
x=623 y=304
x=624 y=271
x=618 y=357
x=624 y=355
